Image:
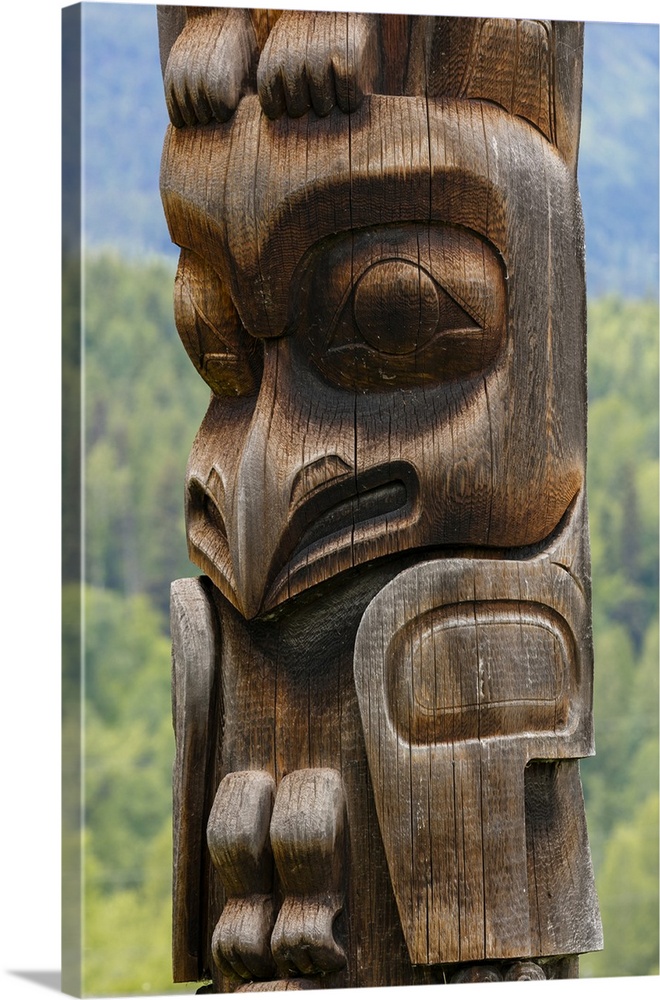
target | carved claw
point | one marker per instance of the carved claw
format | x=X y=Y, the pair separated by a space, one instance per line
x=307 y=836
x=279 y=986
x=237 y=835
x=240 y=940
x=498 y=972
x=524 y=971
x=318 y=61
x=478 y=974
x=210 y=67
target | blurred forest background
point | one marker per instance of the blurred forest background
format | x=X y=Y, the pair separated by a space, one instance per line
x=142 y=403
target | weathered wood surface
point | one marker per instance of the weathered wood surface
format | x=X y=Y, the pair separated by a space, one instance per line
x=238 y=835
x=467 y=670
x=381 y=280
x=196 y=704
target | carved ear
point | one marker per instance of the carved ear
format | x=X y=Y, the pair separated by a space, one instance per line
x=225 y=355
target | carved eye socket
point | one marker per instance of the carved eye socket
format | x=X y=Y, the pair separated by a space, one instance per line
x=229 y=360
x=405 y=307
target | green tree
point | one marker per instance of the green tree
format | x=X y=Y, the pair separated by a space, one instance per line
x=129 y=744
x=622 y=780
x=128 y=753
x=628 y=885
x=143 y=405
x=127 y=938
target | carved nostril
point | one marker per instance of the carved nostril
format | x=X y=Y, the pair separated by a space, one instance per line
x=324 y=470
x=216 y=488
x=396 y=306
x=207 y=503
x=213 y=517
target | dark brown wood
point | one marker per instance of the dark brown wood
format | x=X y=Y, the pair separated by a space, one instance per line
x=195 y=705
x=307 y=833
x=238 y=836
x=466 y=671
x=380 y=719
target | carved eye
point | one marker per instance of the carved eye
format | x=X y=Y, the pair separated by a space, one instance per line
x=229 y=360
x=398 y=307
x=395 y=307
x=405 y=307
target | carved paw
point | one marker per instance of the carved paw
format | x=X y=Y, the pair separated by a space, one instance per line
x=524 y=972
x=237 y=836
x=303 y=939
x=240 y=940
x=318 y=61
x=307 y=836
x=478 y=974
x=210 y=67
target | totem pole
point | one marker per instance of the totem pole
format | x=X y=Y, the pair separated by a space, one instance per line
x=382 y=683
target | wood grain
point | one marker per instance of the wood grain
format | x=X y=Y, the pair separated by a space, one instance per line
x=238 y=837
x=382 y=282
x=455 y=705
x=197 y=716
x=307 y=834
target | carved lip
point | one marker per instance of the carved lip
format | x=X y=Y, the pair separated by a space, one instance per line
x=371 y=503
x=331 y=516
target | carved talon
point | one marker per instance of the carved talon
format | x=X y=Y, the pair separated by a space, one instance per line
x=240 y=940
x=307 y=835
x=335 y=61
x=303 y=940
x=524 y=971
x=518 y=971
x=278 y=986
x=209 y=71
x=237 y=835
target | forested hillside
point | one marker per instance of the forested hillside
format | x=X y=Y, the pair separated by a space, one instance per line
x=621 y=782
x=618 y=167
x=143 y=404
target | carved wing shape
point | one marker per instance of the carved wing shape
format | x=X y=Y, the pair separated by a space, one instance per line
x=466 y=670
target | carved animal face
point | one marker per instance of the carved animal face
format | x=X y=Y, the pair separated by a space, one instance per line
x=378 y=387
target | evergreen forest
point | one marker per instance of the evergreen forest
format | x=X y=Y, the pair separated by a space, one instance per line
x=140 y=407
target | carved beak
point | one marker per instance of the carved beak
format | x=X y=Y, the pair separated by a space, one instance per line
x=258 y=519
x=280 y=511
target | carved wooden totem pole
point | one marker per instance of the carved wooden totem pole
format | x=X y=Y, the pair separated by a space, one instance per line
x=382 y=683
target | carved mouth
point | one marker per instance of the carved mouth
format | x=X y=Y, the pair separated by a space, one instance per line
x=322 y=528
x=375 y=502
x=378 y=500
